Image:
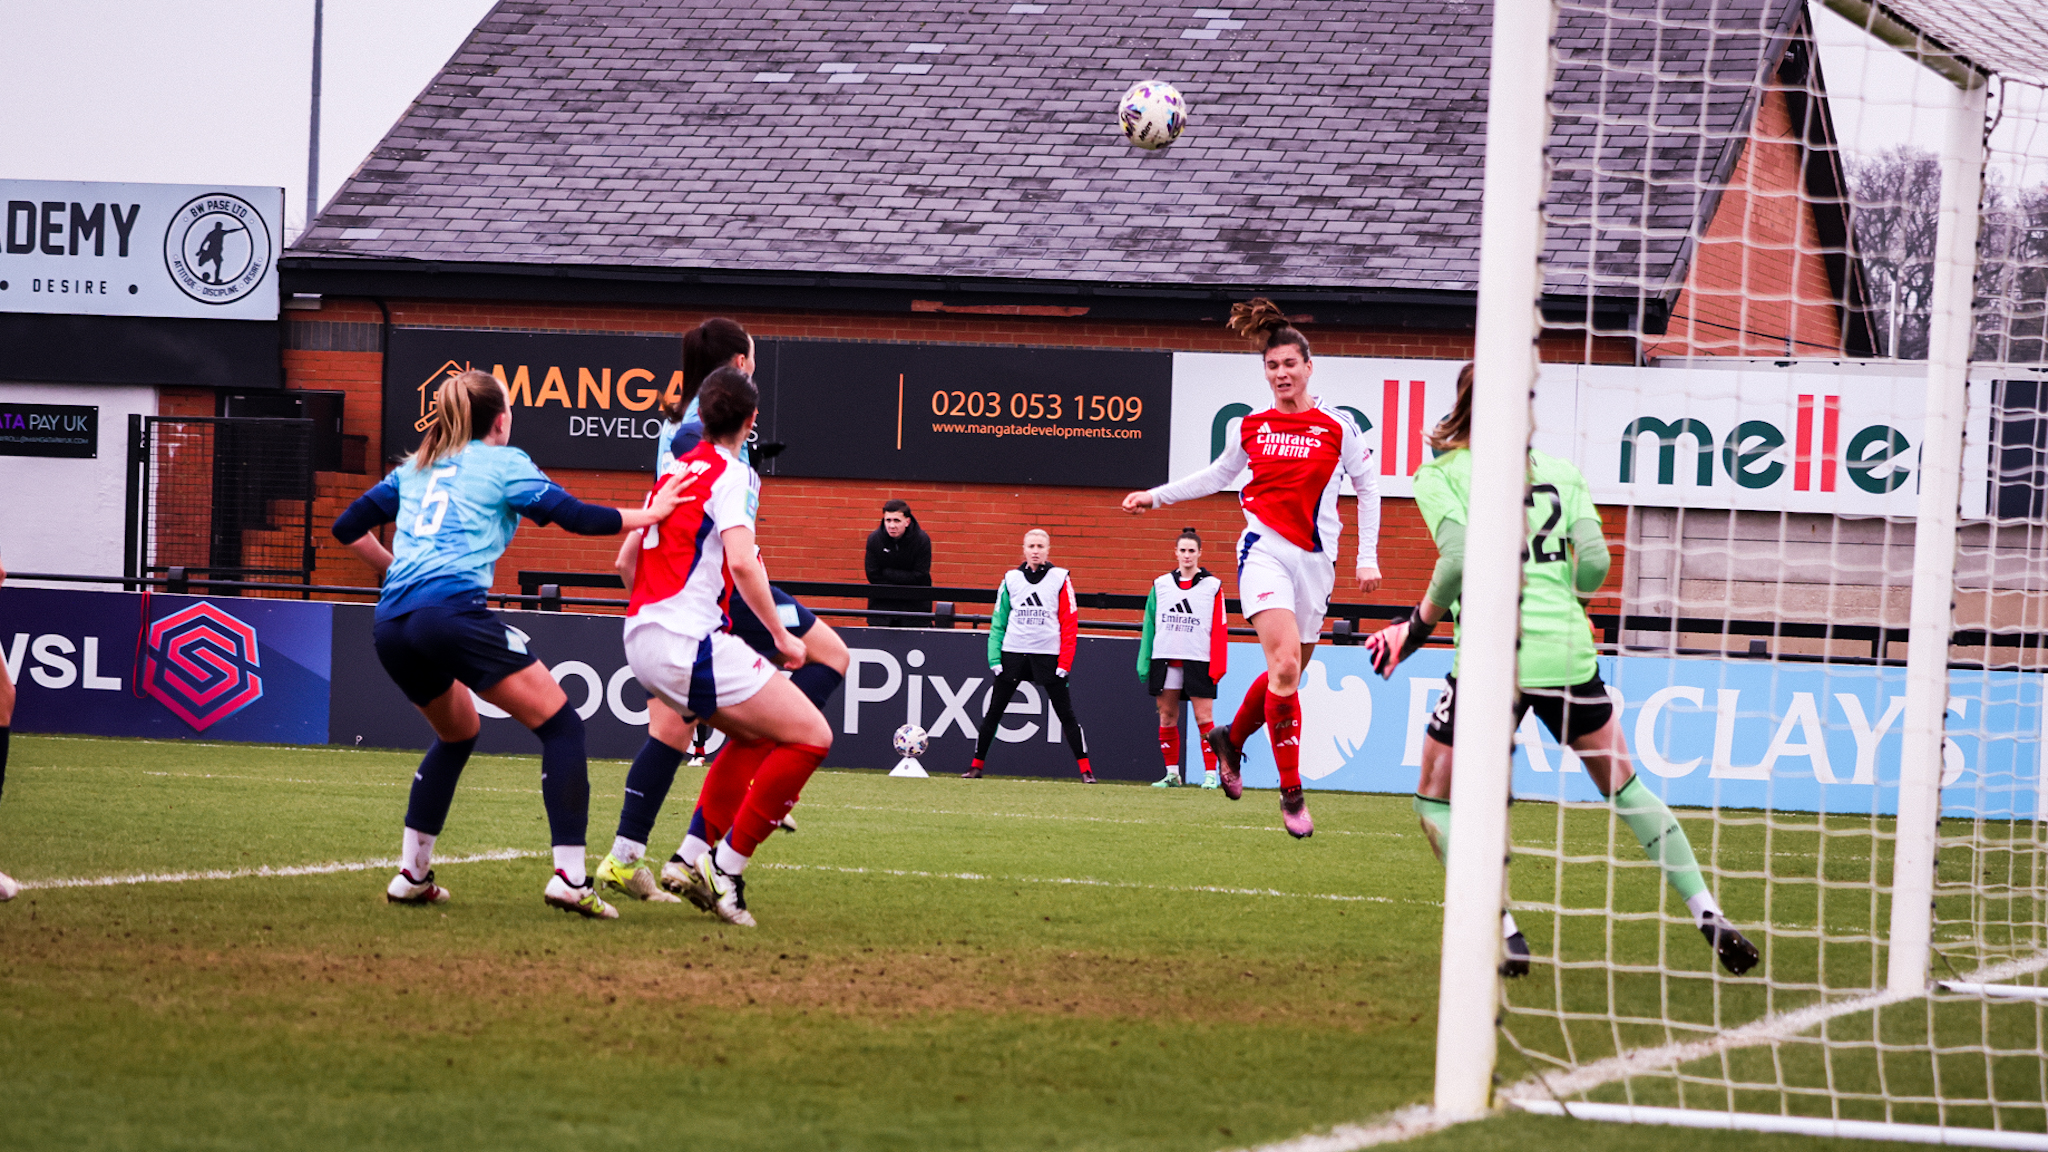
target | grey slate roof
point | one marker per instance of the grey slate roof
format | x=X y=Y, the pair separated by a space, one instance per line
x=1332 y=143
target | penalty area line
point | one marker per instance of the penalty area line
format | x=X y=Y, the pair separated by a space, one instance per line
x=326 y=869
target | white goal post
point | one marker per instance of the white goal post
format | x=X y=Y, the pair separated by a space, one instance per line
x=1680 y=164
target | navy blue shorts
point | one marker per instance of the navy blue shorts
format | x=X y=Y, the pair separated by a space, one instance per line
x=748 y=627
x=428 y=649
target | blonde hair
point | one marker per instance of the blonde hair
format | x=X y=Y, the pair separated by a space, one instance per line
x=1455 y=429
x=465 y=407
x=1039 y=532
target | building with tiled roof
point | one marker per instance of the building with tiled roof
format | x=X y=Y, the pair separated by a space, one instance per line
x=950 y=175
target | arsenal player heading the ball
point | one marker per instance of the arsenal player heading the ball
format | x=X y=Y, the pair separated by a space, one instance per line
x=1287 y=556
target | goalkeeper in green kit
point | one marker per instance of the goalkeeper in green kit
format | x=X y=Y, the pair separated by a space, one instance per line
x=1565 y=559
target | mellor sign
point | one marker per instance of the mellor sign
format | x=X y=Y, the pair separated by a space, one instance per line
x=1751 y=436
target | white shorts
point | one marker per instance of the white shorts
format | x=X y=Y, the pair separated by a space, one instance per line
x=694 y=676
x=1273 y=573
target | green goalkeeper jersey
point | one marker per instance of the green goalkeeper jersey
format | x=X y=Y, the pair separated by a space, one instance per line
x=1557 y=642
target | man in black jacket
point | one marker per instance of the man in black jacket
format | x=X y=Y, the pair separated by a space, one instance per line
x=899 y=553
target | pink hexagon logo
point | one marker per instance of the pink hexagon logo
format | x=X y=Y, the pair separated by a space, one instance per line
x=201 y=664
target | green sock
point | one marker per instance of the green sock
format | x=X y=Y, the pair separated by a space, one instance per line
x=1662 y=839
x=1436 y=824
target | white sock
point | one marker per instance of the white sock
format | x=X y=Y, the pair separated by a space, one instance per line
x=416 y=853
x=1701 y=905
x=730 y=862
x=1507 y=925
x=693 y=850
x=627 y=851
x=569 y=862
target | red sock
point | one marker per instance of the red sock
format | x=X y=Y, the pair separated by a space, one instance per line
x=1081 y=764
x=1283 y=717
x=1169 y=746
x=725 y=782
x=1251 y=714
x=1208 y=757
x=777 y=783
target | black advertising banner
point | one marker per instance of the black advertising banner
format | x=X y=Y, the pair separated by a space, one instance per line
x=578 y=400
x=67 y=430
x=935 y=678
x=967 y=412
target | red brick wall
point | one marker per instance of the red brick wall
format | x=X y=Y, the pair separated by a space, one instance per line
x=1758 y=285
x=817 y=529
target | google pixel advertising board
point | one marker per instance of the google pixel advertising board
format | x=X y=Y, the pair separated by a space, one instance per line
x=103 y=249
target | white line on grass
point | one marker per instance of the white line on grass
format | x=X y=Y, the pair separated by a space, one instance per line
x=1419 y=1121
x=1088 y=882
x=1402 y=1124
x=1764 y=1031
x=1089 y=819
x=406 y=783
x=326 y=869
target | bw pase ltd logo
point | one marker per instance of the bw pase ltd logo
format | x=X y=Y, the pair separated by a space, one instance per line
x=217 y=248
x=201 y=664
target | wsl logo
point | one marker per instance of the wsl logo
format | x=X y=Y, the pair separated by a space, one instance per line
x=217 y=248
x=201 y=664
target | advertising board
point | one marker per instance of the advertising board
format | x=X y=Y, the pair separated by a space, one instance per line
x=1733 y=733
x=112 y=249
x=1729 y=732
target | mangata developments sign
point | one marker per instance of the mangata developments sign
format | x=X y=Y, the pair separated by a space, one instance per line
x=578 y=401
x=195 y=250
x=967 y=412
x=958 y=412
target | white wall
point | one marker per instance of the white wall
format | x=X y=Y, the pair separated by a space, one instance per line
x=66 y=515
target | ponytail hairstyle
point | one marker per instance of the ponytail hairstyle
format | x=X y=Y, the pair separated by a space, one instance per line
x=706 y=348
x=1455 y=429
x=465 y=407
x=726 y=398
x=1260 y=321
x=1188 y=533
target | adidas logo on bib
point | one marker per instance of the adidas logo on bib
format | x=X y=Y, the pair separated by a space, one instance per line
x=1183 y=608
x=1031 y=601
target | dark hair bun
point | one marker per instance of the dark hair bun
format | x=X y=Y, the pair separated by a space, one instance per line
x=1256 y=319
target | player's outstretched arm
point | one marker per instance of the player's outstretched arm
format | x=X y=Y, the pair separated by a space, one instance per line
x=1207 y=482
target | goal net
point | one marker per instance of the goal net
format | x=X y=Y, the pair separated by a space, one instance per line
x=1791 y=268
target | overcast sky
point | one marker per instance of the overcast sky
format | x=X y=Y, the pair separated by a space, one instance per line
x=211 y=91
x=217 y=91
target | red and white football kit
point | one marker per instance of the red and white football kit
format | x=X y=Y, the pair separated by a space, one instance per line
x=1287 y=556
x=678 y=637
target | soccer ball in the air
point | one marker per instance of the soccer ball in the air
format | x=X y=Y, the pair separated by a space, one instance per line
x=1152 y=114
x=911 y=740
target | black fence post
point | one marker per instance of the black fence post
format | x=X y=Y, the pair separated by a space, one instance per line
x=131 y=541
x=1343 y=633
x=551 y=597
x=943 y=615
x=177 y=582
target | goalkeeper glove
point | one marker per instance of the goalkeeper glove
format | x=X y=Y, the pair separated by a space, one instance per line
x=1397 y=642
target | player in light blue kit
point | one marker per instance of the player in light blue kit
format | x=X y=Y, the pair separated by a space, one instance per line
x=457 y=502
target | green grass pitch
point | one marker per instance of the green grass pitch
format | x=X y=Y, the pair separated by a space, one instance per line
x=940 y=965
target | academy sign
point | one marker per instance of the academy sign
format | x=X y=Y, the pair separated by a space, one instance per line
x=99 y=249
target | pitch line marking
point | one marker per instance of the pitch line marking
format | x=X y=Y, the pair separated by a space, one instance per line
x=326 y=869
x=1087 y=819
x=339 y=866
x=1418 y=1120
x=1089 y=882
